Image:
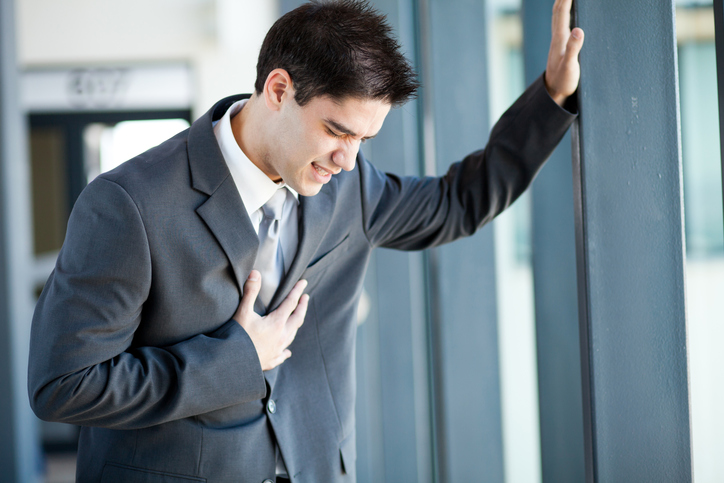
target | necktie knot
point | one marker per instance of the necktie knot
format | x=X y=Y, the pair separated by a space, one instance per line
x=274 y=207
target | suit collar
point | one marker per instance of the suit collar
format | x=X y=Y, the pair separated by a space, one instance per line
x=207 y=165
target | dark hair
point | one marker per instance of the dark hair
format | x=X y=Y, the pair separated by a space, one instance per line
x=340 y=49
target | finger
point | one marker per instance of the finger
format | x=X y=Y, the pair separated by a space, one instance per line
x=290 y=338
x=292 y=300
x=300 y=312
x=295 y=321
x=286 y=354
x=251 y=291
x=574 y=45
x=561 y=23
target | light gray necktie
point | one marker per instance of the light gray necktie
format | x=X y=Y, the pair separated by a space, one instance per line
x=270 y=259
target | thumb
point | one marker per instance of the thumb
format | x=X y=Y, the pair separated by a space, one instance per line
x=251 y=291
x=574 y=45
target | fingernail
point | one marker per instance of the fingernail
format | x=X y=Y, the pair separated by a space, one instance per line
x=253 y=275
x=576 y=33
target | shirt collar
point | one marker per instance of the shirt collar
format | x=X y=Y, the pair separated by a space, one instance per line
x=253 y=185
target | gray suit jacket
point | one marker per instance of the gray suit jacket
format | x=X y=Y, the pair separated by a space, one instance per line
x=133 y=339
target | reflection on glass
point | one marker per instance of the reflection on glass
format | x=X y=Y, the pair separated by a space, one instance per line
x=109 y=146
x=516 y=325
x=704 y=234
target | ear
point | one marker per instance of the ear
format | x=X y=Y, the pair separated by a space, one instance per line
x=278 y=89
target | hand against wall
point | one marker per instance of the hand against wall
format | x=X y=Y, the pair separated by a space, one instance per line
x=563 y=70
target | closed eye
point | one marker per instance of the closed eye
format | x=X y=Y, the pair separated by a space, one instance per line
x=333 y=134
x=337 y=136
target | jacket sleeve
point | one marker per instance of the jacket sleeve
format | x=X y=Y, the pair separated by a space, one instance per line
x=83 y=368
x=412 y=213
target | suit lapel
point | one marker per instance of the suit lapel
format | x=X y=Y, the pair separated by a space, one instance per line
x=316 y=215
x=223 y=212
x=225 y=215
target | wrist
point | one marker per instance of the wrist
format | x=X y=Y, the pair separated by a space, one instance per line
x=558 y=97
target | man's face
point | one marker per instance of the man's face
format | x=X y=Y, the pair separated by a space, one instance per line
x=320 y=139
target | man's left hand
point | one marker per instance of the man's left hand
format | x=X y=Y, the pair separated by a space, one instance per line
x=563 y=71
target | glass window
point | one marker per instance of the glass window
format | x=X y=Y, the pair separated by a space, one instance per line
x=514 y=270
x=704 y=233
x=107 y=146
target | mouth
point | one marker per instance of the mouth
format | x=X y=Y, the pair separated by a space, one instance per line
x=323 y=173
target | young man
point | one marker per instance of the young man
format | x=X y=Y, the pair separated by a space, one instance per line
x=148 y=333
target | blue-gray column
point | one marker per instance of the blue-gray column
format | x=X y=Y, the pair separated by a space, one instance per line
x=465 y=337
x=719 y=28
x=288 y=5
x=630 y=250
x=396 y=284
x=18 y=433
x=554 y=274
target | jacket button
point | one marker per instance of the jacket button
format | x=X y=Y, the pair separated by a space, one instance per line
x=267 y=481
x=271 y=406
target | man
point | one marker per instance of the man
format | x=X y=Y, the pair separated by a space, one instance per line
x=148 y=333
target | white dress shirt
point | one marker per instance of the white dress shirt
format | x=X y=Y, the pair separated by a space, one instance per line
x=255 y=187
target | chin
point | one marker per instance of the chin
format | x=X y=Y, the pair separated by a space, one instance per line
x=305 y=187
x=309 y=190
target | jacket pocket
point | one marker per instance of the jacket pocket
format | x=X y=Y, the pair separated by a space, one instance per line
x=323 y=262
x=115 y=473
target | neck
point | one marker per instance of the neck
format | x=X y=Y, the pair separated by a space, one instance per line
x=250 y=138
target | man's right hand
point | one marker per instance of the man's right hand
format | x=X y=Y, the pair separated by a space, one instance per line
x=275 y=332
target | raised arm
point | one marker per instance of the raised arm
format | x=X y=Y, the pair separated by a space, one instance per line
x=411 y=213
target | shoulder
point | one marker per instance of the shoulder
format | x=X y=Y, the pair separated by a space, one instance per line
x=166 y=167
x=153 y=168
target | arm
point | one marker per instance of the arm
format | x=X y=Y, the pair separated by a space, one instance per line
x=83 y=368
x=414 y=213
x=409 y=213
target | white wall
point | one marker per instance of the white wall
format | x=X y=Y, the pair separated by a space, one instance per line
x=219 y=39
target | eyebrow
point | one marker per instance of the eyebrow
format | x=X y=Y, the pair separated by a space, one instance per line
x=338 y=127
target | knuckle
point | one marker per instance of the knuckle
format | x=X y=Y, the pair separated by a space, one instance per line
x=280 y=323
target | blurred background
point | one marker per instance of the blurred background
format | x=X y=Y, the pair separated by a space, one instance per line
x=87 y=84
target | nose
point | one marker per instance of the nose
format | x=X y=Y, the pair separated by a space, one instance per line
x=345 y=156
